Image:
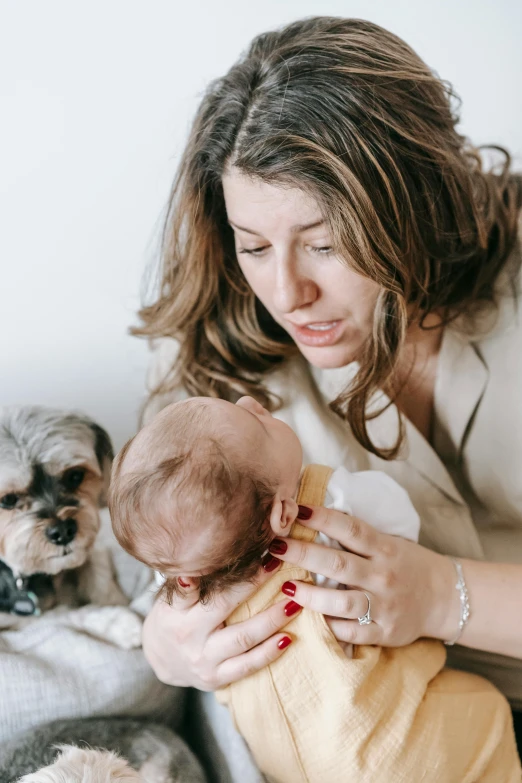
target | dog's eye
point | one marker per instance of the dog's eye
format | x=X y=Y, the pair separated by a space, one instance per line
x=9 y=501
x=73 y=478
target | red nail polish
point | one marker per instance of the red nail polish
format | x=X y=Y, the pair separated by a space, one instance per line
x=278 y=547
x=284 y=642
x=304 y=512
x=292 y=608
x=289 y=589
x=269 y=563
x=181 y=583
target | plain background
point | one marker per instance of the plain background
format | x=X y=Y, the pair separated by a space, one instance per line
x=96 y=101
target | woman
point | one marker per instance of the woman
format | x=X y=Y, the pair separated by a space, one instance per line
x=335 y=249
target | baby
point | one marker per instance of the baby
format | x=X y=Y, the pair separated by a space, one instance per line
x=200 y=493
x=203 y=489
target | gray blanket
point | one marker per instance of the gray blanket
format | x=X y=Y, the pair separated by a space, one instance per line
x=49 y=670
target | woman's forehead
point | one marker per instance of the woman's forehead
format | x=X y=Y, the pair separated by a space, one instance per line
x=252 y=204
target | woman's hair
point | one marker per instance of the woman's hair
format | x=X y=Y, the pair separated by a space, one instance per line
x=347 y=112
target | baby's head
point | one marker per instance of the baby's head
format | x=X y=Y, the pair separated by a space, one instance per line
x=200 y=492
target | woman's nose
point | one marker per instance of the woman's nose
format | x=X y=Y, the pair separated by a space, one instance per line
x=292 y=289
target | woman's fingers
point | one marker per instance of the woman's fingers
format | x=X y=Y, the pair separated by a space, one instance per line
x=201 y=620
x=345 y=567
x=348 y=604
x=250 y=662
x=352 y=533
x=242 y=637
x=349 y=631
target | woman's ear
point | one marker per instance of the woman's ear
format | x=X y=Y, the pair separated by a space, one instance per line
x=283 y=514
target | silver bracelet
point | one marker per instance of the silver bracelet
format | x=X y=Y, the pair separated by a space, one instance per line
x=465 y=610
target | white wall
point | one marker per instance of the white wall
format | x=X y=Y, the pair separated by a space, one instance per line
x=96 y=98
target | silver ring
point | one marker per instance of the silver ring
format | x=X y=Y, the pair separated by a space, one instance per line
x=366 y=619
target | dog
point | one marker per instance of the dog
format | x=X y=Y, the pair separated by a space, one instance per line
x=54 y=475
x=67 y=752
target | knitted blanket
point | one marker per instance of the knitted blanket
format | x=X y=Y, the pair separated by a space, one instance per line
x=51 y=670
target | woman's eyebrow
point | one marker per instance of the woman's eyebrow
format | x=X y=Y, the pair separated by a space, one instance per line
x=295 y=229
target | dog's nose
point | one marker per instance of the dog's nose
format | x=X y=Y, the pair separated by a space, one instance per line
x=62 y=532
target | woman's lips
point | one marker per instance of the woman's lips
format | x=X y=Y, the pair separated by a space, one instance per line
x=318 y=334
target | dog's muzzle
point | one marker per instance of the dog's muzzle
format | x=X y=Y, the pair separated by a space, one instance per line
x=62 y=531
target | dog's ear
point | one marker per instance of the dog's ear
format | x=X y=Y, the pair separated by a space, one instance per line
x=105 y=455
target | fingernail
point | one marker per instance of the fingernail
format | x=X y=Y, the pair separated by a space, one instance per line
x=291 y=608
x=304 y=512
x=289 y=589
x=284 y=642
x=269 y=563
x=181 y=583
x=278 y=547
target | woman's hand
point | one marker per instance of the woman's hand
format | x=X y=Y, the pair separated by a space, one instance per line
x=411 y=589
x=188 y=644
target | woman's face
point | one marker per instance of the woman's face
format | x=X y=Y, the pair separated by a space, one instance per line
x=284 y=250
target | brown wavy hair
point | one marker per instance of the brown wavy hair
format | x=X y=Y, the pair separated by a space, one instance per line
x=348 y=112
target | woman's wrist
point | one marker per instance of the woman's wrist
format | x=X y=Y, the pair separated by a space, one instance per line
x=465 y=608
x=494 y=590
x=444 y=613
x=494 y=594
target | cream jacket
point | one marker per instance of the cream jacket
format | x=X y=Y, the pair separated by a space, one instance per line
x=468 y=490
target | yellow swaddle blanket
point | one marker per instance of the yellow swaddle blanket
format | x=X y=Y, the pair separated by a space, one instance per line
x=388 y=715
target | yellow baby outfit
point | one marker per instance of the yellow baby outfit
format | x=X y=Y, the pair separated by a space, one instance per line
x=388 y=715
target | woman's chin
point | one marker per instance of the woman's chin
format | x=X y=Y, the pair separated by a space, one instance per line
x=328 y=357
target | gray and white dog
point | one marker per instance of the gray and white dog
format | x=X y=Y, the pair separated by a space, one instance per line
x=66 y=752
x=54 y=474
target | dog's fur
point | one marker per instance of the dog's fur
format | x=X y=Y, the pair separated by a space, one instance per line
x=54 y=475
x=79 y=765
x=66 y=752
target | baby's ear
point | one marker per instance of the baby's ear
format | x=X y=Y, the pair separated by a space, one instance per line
x=283 y=514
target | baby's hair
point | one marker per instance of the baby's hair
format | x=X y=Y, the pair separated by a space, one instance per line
x=184 y=465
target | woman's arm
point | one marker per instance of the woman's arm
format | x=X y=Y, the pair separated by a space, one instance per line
x=412 y=589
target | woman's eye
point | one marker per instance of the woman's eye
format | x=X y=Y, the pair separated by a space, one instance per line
x=323 y=251
x=255 y=251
